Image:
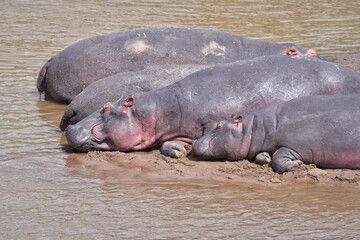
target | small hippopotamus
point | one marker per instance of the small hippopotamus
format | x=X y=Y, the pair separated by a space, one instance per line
x=121 y=85
x=175 y=115
x=66 y=74
x=320 y=130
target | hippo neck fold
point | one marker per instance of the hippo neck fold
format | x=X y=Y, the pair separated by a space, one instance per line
x=262 y=131
x=160 y=114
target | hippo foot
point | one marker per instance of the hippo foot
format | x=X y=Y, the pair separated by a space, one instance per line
x=286 y=166
x=263 y=158
x=285 y=160
x=174 y=149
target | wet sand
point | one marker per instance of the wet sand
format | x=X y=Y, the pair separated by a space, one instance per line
x=154 y=165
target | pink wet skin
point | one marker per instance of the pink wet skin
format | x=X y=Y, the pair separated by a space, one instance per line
x=292 y=51
x=311 y=53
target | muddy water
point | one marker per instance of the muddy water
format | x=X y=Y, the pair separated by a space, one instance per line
x=45 y=195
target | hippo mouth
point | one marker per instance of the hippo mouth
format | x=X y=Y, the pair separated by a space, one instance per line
x=85 y=139
x=203 y=148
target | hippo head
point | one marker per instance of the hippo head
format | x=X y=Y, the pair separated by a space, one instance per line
x=114 y=127
x=226 y=140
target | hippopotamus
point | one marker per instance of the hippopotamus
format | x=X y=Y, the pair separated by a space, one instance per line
x=321 y=130
x=173 y=116
x=66 y=74
x=116 y=86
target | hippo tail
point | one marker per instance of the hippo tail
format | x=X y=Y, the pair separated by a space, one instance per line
x=41 y=80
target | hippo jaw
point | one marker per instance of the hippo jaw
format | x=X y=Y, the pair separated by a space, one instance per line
x=83 y=139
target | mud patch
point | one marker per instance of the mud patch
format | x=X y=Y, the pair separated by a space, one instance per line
x=157 y=166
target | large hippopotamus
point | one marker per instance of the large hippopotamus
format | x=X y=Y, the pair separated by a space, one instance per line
x=322 y=130
x=112 y=88
x=175 y=115
x=66 y=74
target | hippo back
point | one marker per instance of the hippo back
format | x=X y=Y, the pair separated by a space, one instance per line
x=120 y=85
x=69 y=72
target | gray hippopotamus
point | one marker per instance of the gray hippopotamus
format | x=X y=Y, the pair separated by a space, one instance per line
x=116 y=86
x=175 y=115
x=66 y=74
x=322 y=130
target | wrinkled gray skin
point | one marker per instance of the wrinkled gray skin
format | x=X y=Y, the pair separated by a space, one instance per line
x=322 y=130
x=121 y=85
x=174 y=116
x=66 y=74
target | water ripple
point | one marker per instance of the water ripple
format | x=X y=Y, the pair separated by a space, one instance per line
x=48 y=200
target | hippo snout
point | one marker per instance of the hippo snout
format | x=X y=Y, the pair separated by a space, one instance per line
x=77 y=136
x=200 y=149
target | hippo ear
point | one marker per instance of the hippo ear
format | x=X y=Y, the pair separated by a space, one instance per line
x=292 y=51
x=311 y=53
x=237 y=120
x=128 y=102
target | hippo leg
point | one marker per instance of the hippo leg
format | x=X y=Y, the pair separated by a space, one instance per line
x=285 y=160
x=175 y=149
x=263 y=158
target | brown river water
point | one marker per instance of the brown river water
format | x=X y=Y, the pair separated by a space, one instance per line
x=44 y=195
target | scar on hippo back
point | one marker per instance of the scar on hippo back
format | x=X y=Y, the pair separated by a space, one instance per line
x=136 y=46
x=213 y=48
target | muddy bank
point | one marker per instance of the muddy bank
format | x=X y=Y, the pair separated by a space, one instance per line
x=152 y=164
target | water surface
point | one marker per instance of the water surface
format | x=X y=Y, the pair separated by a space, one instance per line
x=43 y=196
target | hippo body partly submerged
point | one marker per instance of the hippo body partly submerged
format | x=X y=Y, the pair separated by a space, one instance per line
x=174 y=116
x=320 y=130
x=66 y=74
